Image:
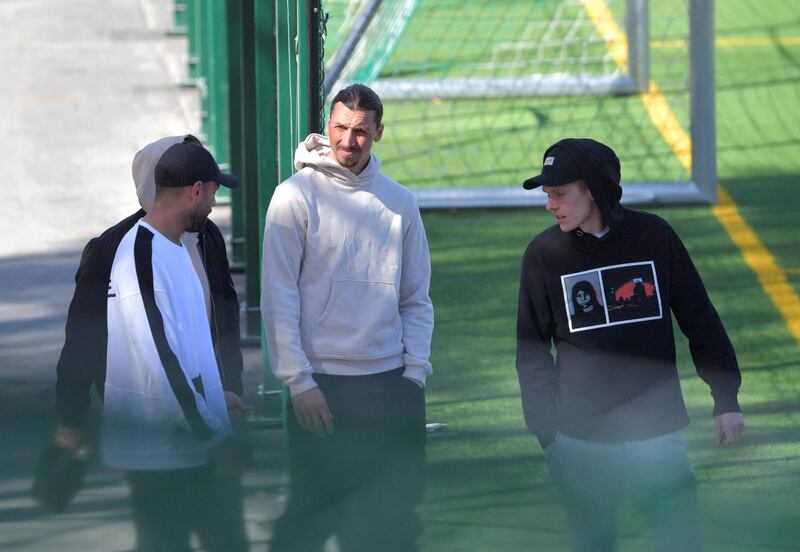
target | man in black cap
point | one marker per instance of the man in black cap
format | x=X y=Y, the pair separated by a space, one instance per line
x=149 y=292
x=607 y=409
x=82 y=363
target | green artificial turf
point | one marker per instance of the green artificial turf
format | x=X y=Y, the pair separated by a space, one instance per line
x=488 y=486
x=758 y=121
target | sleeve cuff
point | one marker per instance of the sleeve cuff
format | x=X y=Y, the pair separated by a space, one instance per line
x=303 y=383
x=416 y=369
x=415 y=373
x=726 y=403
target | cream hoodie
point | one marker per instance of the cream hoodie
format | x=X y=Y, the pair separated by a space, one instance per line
x=345 y=273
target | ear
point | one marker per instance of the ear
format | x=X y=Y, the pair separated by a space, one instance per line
x=196 y=190
x=379 y=133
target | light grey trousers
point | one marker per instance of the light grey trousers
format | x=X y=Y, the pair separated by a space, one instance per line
x=655 y=475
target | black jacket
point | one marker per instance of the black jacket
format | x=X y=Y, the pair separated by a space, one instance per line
x=83 y=359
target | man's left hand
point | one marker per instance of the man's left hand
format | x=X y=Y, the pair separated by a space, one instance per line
x=728 y=427
x=238 y=410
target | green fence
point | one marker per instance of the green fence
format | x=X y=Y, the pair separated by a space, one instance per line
x=257 y=67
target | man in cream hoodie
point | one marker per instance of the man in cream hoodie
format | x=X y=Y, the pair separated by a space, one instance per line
x=348 y=319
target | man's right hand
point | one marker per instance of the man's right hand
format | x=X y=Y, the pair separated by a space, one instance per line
x=312 y=412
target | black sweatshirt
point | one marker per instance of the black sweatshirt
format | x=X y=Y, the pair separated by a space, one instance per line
x=83 y=358
x=614 y=376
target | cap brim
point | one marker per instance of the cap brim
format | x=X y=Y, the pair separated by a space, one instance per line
x=228 y=180
x=546 y=180
x=531 y=183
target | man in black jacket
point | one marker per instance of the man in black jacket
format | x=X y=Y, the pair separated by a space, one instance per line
x=82 y=363
x=607 y=409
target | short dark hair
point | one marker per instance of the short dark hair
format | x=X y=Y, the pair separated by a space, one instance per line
x=171 y=191
x=359 y=97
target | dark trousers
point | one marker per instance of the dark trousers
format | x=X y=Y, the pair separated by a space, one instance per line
x=363 y=483
x=170 y=505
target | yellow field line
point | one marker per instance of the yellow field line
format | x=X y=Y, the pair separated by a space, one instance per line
x=732 y=42
x=771 y=277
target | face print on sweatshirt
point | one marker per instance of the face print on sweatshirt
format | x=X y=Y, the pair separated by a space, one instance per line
x=611 y=295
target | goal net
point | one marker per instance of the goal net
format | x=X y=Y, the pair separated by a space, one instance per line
x=475 y=90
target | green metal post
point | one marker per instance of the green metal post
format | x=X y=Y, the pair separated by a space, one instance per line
x=285 y=41
x=252 y=216
x=265 y=131
x=179 y=26
x=193 y=45
x=286 y=84
x=314 y=73
x=214 y=64
x=300 y=58
x=236 y=130
x=214 y=90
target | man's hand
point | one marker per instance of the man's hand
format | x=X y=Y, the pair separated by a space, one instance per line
x=73 y=440
x=416 y=382
x=238 y=410
x=311 y=410
x=728 y=427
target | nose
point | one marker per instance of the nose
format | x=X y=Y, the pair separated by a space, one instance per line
x=349 y=138
x=551 y=204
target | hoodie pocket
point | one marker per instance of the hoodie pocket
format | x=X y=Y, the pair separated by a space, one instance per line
x=360 y=321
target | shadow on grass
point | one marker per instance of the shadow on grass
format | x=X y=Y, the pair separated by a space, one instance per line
x=435 y=403
x=777 y=366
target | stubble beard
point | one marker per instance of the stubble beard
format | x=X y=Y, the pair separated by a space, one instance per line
x=347 y=161
x=197 y=223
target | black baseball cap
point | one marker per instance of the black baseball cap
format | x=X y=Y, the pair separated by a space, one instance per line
x=185 y=163
x=574 y=159
x=559 y=167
